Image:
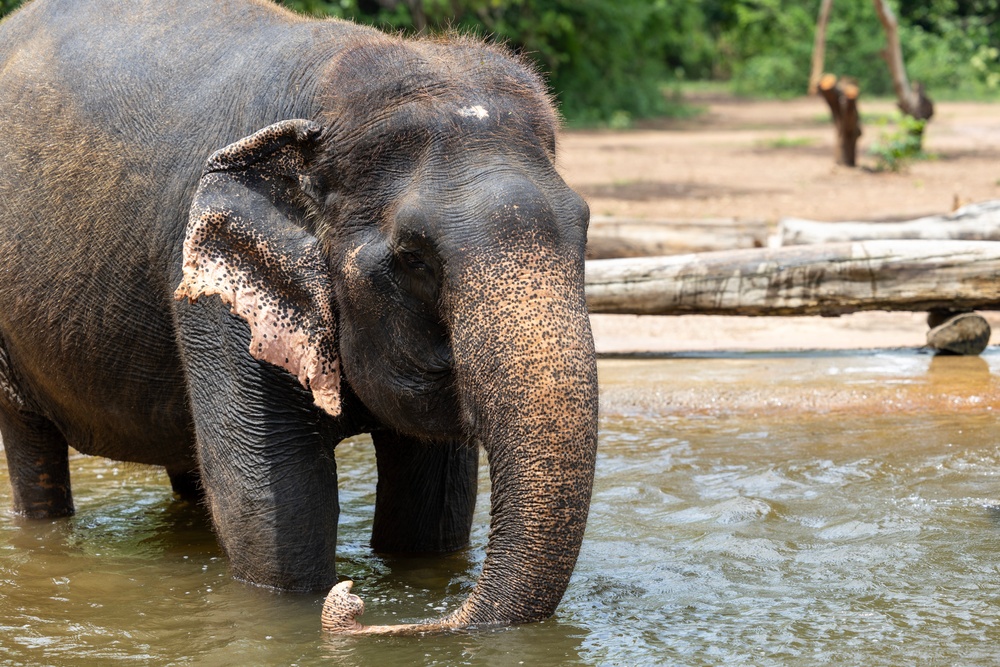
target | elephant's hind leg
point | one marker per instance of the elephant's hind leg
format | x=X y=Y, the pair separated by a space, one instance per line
x=37 y=453
x=426 y=494
x=38 y=465
x=186 y=483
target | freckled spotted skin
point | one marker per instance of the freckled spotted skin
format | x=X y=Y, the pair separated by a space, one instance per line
x=234 y=236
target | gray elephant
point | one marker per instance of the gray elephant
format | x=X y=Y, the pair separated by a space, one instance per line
x=233 y=236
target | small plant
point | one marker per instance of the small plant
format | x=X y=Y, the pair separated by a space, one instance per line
x=620 y=120
x=879 y=118
x=786 y=142
x=896 y=149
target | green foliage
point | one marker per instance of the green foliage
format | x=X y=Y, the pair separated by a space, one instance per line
x=756 y=47
x=951 y=51
x=898 y=147
x=786 y=142
x=604 y=59
x=320 y=7
x=770 y=43
x=608 y=61
x=765 y=46
x=7 y=6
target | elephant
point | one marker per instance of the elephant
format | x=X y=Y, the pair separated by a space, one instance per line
x=234 y=236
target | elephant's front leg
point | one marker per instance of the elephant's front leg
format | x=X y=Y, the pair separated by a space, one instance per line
x=267 y=467
x=426 y=494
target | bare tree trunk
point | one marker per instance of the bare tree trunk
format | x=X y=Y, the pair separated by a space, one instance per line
x=819 y=46
x=842 y=98
x=912 y=100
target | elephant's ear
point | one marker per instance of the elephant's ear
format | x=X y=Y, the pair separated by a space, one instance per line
x=244 y=243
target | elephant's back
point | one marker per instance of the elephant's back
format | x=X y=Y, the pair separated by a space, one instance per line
x=108 y=110
x=158 y=85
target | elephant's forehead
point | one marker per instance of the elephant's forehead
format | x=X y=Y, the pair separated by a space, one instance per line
x=501 y=120
x=474 y=111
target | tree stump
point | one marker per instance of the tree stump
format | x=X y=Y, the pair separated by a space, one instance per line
x=842 y=98
x=964 y=333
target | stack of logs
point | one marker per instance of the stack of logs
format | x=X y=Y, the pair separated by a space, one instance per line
x=941 y=265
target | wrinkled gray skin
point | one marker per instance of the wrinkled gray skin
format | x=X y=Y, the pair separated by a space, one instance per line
x=383 y=246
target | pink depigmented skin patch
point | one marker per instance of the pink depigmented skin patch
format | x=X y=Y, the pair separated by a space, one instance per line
x=274 y=337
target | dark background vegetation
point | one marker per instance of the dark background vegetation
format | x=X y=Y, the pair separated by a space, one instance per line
x=610 y=61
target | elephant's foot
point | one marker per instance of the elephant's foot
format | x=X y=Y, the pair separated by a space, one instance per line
x=186 y=483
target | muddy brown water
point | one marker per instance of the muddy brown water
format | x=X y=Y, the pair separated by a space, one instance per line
x=750 y=509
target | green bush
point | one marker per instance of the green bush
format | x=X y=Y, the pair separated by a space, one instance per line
x=896 y=149
x=604 y=60
x=770 y=43
x=948 y=45
x=7 y=6
x=956 y=54
x=756 y=47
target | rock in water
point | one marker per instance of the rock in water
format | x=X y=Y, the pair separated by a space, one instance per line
x=958 y=333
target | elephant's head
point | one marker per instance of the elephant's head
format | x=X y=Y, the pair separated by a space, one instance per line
x=415 y=242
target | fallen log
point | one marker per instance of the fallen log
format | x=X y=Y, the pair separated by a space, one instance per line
x=631 y=237
x=975 y=222
x=828 y=279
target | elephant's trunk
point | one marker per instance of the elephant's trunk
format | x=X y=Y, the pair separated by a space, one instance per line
x=526 y=372
x=525 y=360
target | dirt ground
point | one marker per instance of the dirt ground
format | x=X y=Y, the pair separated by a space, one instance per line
x=764 y=160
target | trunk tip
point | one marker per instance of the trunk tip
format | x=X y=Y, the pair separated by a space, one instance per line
x=341 y=607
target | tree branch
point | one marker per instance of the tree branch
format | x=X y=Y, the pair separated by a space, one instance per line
x=912 y=101
x=819 y=46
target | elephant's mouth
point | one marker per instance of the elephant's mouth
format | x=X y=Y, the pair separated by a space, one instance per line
x=417 y=397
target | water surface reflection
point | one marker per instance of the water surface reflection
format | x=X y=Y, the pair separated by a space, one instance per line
x=789 y=516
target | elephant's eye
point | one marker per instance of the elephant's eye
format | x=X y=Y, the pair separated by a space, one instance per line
x=416 y=274
x=413 y=261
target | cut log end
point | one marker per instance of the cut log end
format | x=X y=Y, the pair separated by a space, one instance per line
x=958 y=333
